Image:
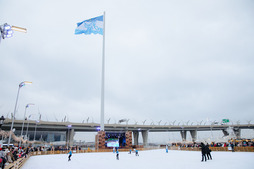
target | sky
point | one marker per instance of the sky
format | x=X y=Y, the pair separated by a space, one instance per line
x=164 y=60
x=146 y=160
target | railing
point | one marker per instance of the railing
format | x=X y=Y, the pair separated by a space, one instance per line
x=236 y=149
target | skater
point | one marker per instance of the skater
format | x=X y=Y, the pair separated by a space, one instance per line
x=130 y=151
x=114 y=149
x=208 y=152
x=117 y=155
x=166 y=148
x=137 y=153
x=203 y=151
x=232 y=146
x=70 y=154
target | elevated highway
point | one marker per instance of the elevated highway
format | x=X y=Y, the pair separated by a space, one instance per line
x=69 y=128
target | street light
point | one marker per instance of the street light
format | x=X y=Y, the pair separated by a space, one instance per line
x=36 y=121
x=144 y=122
x=20 y=85
x=108 y=120
x=159 y=122
x=24 y=121
x=6 y=30
x=28 y=125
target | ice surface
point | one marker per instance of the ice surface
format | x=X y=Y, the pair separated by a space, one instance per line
x=152 y=159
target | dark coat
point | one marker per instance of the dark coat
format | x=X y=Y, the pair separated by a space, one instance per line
x=203 y=148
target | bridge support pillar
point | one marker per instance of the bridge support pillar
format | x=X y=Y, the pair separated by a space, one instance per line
x=237 y=133
x=193 y=135
x=70 y=137
x=135 y=135
x=183 y=135
x=145 y=137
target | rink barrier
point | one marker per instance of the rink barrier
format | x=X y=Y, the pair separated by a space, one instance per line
x=20 y=162
x=16 y=164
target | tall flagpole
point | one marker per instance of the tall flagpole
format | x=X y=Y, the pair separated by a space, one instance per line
x=102 y=77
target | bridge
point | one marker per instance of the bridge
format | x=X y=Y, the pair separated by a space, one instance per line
x=68 y=129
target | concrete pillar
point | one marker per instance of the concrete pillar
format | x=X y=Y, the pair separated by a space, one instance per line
x=135 y=135
x=70 y=137
x=145 y=137
x=225 y=132
x=183 y=134
x=72 y=133
x=237 y=133
x=193 y=135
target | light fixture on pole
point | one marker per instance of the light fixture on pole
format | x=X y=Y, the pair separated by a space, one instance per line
x=6 y=30
x=12 y=123
x=24 y=121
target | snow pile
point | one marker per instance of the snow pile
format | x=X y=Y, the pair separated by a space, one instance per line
x=153 y=159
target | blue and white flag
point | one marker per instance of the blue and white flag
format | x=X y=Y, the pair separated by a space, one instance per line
x=93 y=25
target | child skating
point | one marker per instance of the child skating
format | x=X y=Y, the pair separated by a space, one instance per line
x=137 y=153
x=117 y=155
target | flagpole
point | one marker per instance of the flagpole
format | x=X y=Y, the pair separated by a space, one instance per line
x=102 y=79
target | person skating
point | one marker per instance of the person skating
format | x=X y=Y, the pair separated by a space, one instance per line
x=208 y=152
x=70 y=154
x=117 y=155
x=232 y=147
x=203 y=151
x=137 y=153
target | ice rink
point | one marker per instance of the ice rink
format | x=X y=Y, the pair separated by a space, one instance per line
x=152 y=159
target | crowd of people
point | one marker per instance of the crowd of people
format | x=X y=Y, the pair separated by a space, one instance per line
x=9 y=155
x=230 y=143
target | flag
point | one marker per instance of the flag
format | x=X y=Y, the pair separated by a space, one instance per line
x=93 y=25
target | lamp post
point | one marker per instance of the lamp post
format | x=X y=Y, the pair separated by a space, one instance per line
x=28 y=125
x=20 y=85
x=24 y=120
x=36 y=121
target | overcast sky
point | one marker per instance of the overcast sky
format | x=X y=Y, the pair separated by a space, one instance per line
x=165 y=60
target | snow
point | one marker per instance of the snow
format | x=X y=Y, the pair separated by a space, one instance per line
x=152 y=159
